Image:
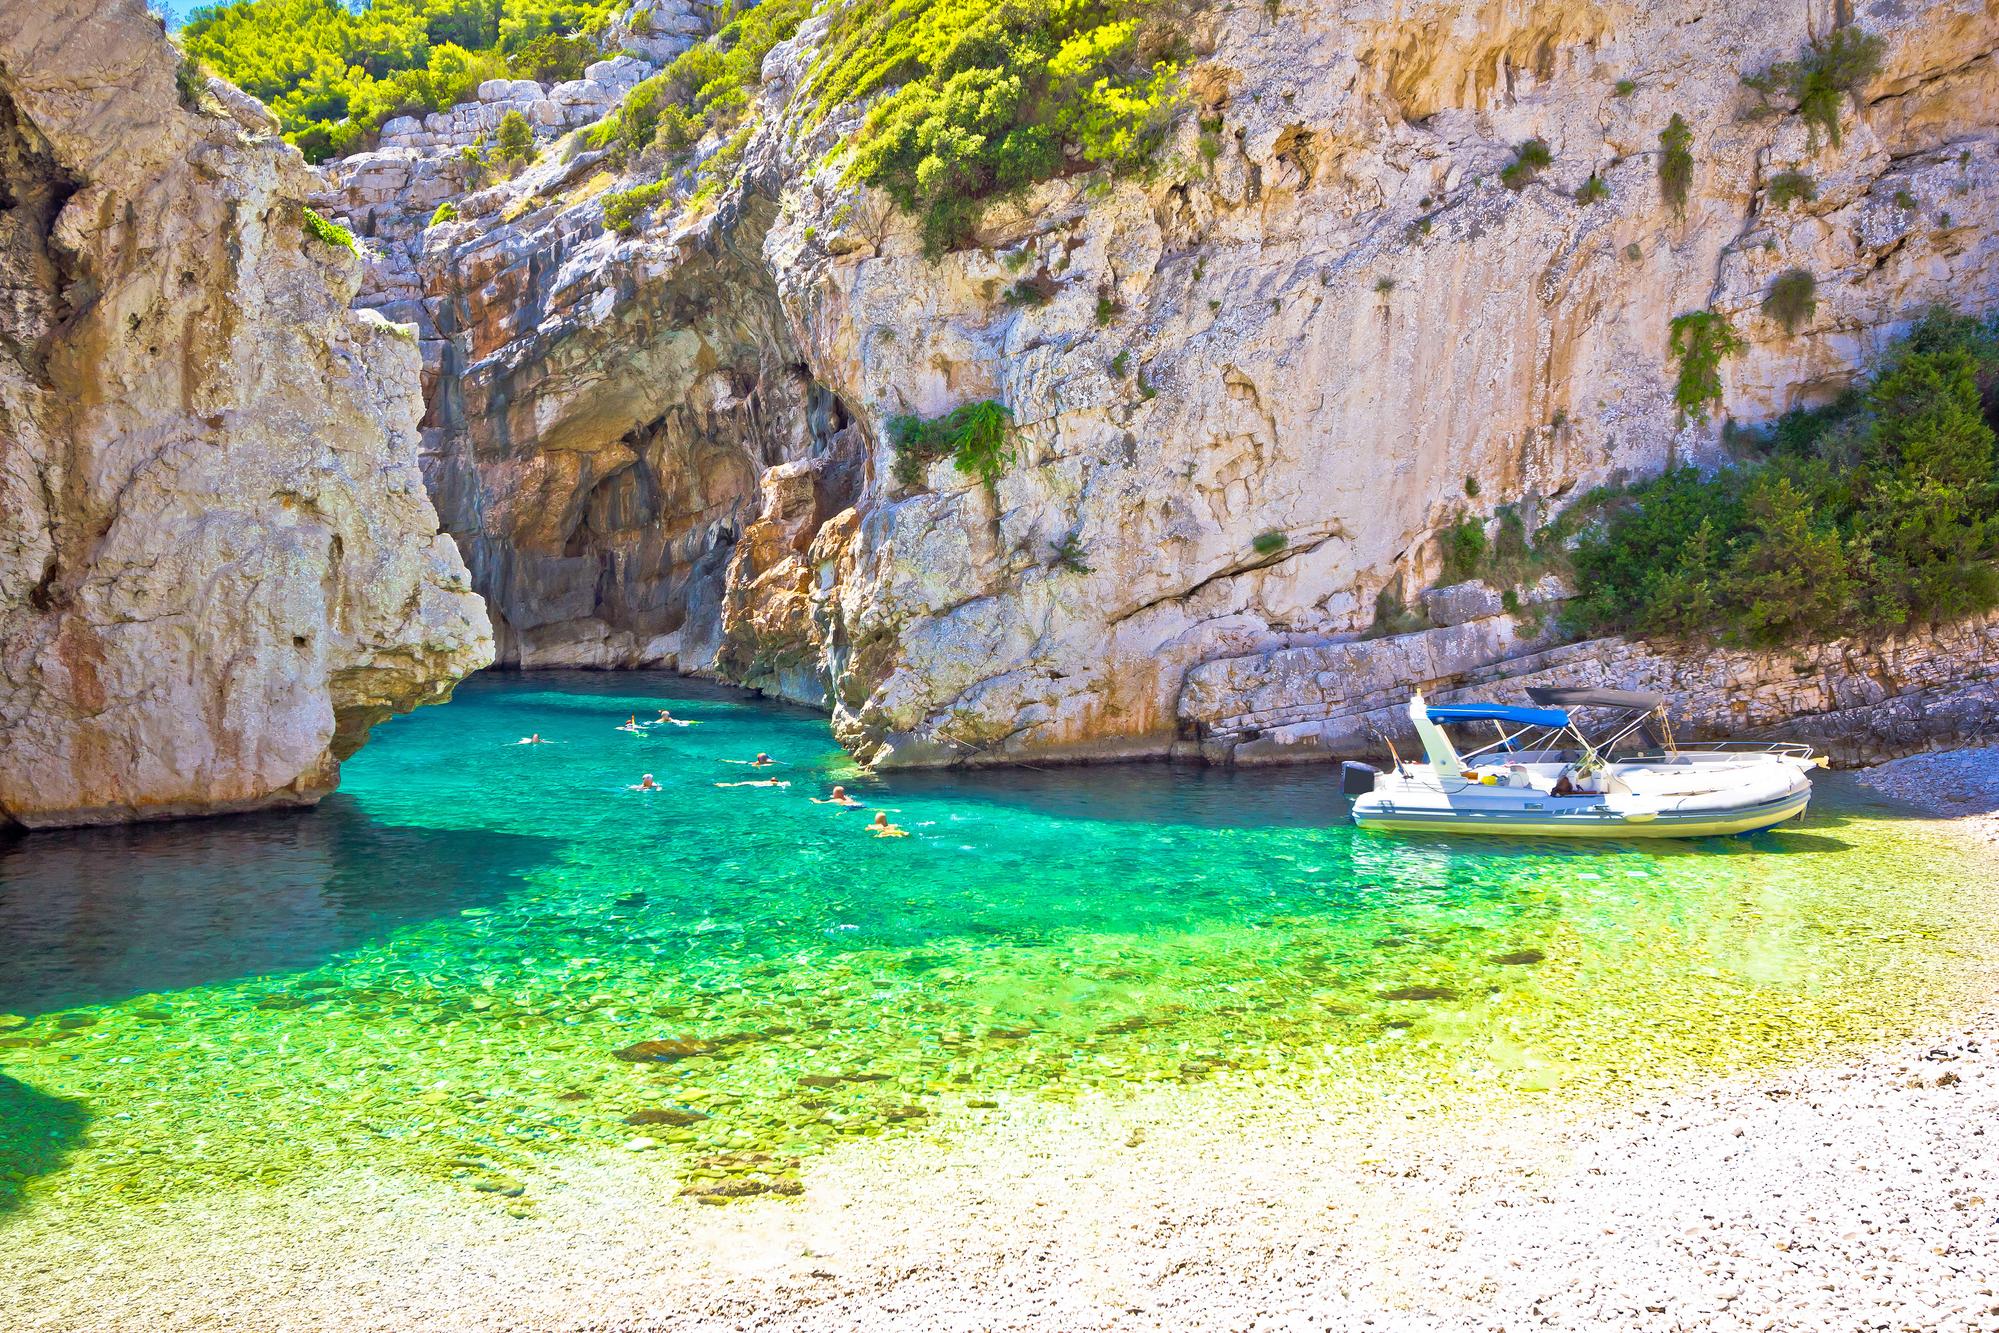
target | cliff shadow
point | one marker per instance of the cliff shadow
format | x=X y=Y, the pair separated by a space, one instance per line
x=92 y=916
x=36 y=1134
x=1151 y=792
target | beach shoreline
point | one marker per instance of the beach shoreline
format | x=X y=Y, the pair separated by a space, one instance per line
x=1843 y=1192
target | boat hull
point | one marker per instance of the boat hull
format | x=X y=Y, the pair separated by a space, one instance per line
x=1591 y=820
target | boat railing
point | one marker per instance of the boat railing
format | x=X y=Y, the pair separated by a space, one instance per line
x=1725 y=749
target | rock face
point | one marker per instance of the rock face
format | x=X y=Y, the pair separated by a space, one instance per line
x=1857 y=702
x=1262 y=385
x=218 y=566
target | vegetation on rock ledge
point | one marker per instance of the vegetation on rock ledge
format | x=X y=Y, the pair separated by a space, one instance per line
x=977 y=437
x=990 y=99
x=1874 y=513
x=333 y=74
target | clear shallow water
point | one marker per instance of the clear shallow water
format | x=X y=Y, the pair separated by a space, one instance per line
x=480 y=956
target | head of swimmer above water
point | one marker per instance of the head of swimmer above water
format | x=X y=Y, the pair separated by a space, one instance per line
x=881 y=819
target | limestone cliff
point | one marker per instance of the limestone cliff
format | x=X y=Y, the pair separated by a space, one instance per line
x=218 y=565
x=1250 y=390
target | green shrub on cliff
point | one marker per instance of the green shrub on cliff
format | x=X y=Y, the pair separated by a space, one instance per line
x=706 y=87
x=984 y=100
x=1878 y=511
x=624 y=210
x=1833 y=68
x=977 y=437
x=1699 y=340
x=327 y=231
x=1676 y=163
x=333 y=74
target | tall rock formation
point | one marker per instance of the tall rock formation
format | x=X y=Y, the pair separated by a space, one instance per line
x=1252 y=391
x=218 y=565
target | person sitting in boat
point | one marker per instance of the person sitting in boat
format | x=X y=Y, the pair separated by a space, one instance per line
x=646 y=784
x=881 y=828
x=839 y=797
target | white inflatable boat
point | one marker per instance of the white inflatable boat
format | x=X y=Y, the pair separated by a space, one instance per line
x=1542 y=776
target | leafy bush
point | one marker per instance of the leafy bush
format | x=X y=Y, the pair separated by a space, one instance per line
x=1676 y=163
x=554 y=58
x=1068 y=554
x=1594 y=190
x=706 y=87
x=327 y=231
x=1699 y=340
x=1625 y=87
x=514 y=141
x=1464 y=547
x=446 y=212
x=1269 y=543
x=624 y=210
x=989 y=99
x=978 y=438
x=1792 y=298
x=332 y=74
x=1528 y=160
x=1874 y=512
x=1833 y=68
x=1789 y=187
x=1031 y=292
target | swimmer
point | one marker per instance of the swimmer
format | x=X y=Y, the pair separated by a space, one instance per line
x=755 y=782
x=839 y=797
x=762 y=760
x=632 y=724
x=881 y=828
x=667 y=719
x=532 y=739
x=646 y=784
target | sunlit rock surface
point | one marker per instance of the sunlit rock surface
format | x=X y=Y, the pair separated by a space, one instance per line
x=1324 y=320
x=218 y=565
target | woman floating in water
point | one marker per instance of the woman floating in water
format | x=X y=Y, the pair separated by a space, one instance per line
x=839 y=797
x=533 y=738
x=881 y=828
x=761 y=761
x=646 y=784
x=667 y=719
x=632 y=725
x=755 y=782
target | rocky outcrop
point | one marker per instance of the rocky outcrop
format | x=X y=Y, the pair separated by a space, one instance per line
x=1859 y=702
x=218 y=565
x=1259 y=387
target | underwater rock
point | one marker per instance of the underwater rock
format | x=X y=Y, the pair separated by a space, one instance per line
x=1420 y=993
x=1519 y=958
x=664 y=1051
x=664 y=1115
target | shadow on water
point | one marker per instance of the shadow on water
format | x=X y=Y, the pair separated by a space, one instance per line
x=1147 y=793
x=36 y=1132
x=90 y=916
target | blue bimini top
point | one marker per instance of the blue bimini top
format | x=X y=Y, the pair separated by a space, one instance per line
x=1525 y=717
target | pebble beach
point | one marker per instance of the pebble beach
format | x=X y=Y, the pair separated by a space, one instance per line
x=1860 y=1192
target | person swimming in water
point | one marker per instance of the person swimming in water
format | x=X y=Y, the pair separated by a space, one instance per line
x=646 y=784
x=762 y=760
x=839 y=797
x=756 y=782
x=881 y=828
x=632 y=724
x=533 y=738
x=667 y=719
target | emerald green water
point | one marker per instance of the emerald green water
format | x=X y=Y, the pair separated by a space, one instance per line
x=450 y=969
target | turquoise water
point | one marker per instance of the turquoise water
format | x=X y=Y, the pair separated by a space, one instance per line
x=480 y=958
